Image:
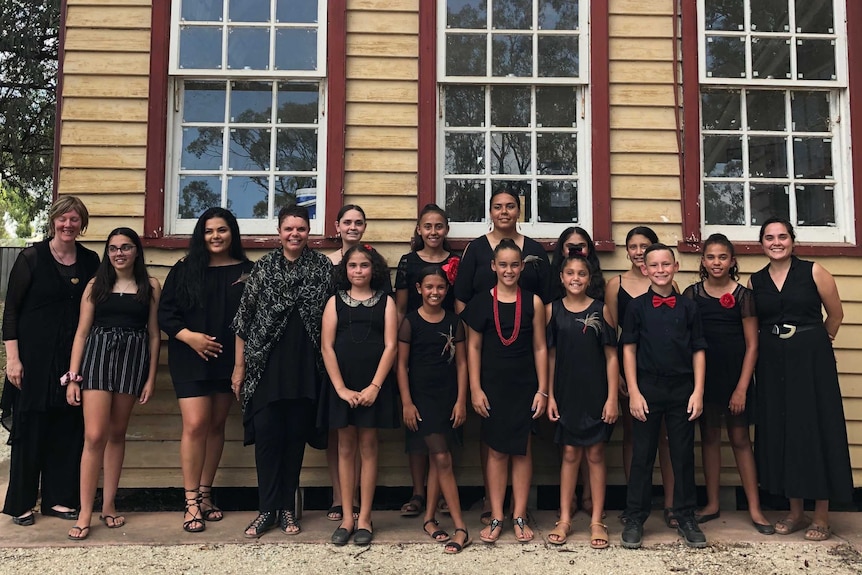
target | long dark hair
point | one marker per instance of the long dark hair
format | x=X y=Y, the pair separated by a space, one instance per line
x=417 y=243
x=192 y=275
x=106 y=275
x=644 y=231
x=433 y=270
x=596 y=289
x=579 y=257
x=379 y=268
x=721 y=240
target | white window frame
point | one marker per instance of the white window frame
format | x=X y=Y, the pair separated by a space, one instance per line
x=844 y=229
x=177 y=77
x=584 y=128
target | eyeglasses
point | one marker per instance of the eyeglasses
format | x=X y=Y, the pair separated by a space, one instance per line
x=125 y=248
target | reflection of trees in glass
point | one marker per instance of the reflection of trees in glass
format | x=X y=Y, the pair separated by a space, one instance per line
x=465 y=200
x=510 y=153
x=724 y=14
x=558 y=15
x=724 y=203
x=472 y=14
x=195 y=197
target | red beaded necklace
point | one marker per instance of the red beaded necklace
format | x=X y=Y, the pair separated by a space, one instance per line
x=507 y=341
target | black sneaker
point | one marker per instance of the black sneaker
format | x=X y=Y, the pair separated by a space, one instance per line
x=690 y=531
x=633 y=534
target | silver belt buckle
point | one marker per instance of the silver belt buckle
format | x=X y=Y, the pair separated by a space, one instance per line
x=791 y=331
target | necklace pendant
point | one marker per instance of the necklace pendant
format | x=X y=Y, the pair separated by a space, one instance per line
x=74 y=281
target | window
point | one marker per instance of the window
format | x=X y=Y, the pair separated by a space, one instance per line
x=246 y=130
x=513 y=111
x=773 y=91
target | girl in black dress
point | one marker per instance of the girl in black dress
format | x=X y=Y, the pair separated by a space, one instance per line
x=730 y=327
x=115 y=356
x=508 y=366
x=359 y=343
x=201 y=296
x=432 y=378
x=583 y=394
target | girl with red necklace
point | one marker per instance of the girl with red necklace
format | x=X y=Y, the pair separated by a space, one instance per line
x=508 y=373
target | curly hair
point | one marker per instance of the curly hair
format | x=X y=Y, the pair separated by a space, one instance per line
x=596 y=289
x=106 y=275
x=379 y=268
x=721 y=240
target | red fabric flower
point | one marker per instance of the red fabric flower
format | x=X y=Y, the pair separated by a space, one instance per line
x=451 y=269
x=368 y=247
x=727 y=301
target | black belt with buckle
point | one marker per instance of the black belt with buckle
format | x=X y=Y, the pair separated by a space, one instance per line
x=786 y=331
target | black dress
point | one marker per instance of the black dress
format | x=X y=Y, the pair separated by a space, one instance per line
x=580 y=372
x=801 y=437
x=407 y=275
x=358 y=347
x=222 y=291
x=433 y=373
x=476 y=276
x=508 y=372
x=623 y=301
x=722 y=327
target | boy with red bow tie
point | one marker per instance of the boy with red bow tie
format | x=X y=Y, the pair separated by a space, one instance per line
x=665 y=368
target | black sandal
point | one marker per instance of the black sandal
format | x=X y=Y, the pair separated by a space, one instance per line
x=264 y=521
x=414 y=506
x=437 y=533
x=456 y=547
x=213 y=513
x=196 y=517
x=287 y=521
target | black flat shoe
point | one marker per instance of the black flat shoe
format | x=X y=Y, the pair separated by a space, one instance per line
x=363 y=537
x=68 y=515
x=707 y=517
x=25 y=521
x=764 y=529
x=340 y=536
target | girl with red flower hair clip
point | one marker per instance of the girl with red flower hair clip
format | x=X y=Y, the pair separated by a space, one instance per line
x=730 y=326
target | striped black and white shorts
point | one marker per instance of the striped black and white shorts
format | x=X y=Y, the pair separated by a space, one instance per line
x=116 y=359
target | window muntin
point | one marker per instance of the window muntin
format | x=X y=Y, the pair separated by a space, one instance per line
x=512 y=111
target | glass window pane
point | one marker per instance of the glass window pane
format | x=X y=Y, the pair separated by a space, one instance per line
x=770 y=15
x=465 y=106
x=768 y=200
x=200 y=47
x=248 y=196
x=466 y=55
x=292 y=11
x=555 y=15
x=198 y=194
x=248 y=149
x=465 y=153
x=815 y=59
x=465 y=200
x=510 y=106
x=202 y=10
x=251 y=102
x=770 y=58
x=556 y=153
x=810 y=111
x=724 y=203
x=296 y=49
x=720 y=109
x=296 y=150
x=519 y=188
x=815 y=205
x=512 y=14
x=203 y=101
x=767 y=157
x=248 y=48
x=812 y=158
x=814 y=16
x=765 y=110
x=301 y=190
x=510 y=153
x=558 y=200
x=203 y=149
x=556 y=107
x=248 y=10
x=298 y=103
x=724 y=14
x=466 y=14
x=558 y=57
x=725 y=57
x=512 y=55
x=722 y=156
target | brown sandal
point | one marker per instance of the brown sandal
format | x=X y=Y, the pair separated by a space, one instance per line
x=817 y=532
x=600 y=542
x=561 y=534
x=788 y=525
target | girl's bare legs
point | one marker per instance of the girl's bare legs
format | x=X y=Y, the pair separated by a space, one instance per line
x=441 y=466
x=332 y=465
x=710 y=447
x=418 y=470
x=568 y=479
x=486 y=500
x=347 y=449
x=522 y=476
x=97 y=424
x=115 y=451
x=367 y=475
x=598 y=479
x=741 y=444
x=219 y=410
x=586 y=492
x=496 y=475
x=433 y=495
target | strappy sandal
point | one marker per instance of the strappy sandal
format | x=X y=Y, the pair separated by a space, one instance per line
x=213 y=513
x=452 y=547
x=264 y=521
x=288 y=523
x=335 y=513
x=80 y=533
x=522 y=525
x=196 y=524
x=494 y=525
x=414 y=506
x=561 y=534
x=439 y=535
x=816 y=532
x=788 y=525
x=670 y=519
x=599 y=542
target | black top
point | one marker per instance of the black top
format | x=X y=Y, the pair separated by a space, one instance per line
x=666 y=337
x=121 y=310
x=797 y=303
x=407 y=276
x=223 y=289
x=476 y=276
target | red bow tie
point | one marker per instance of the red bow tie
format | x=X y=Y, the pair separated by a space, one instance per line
x=668 y=301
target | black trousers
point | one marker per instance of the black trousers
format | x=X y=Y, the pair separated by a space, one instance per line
x=281 y=430
x=666 y=400
x=45 y=446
